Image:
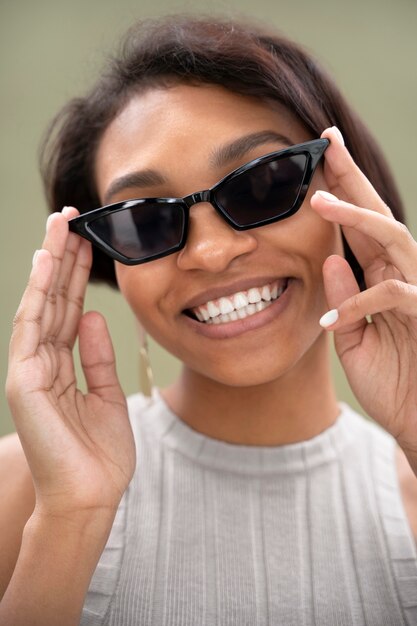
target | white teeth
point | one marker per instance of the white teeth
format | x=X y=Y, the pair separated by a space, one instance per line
x=254 y=295
x=213 y=310
x=225 y=306
x=240 y=300
x=241 y=313
x=266 y=293
x=240 y=305
x=204 y=313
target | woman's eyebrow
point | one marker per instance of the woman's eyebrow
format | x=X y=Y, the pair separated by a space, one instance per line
x=140 y=178
x=238 y=148
x=218 y=158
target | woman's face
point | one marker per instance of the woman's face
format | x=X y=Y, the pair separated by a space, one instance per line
x=176 y=133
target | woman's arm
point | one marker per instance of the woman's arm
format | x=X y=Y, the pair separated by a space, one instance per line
x=17 y=503
x=79 y=447
x=45 y=565
x=56 y=562
x=379 y=357
x=408 y=486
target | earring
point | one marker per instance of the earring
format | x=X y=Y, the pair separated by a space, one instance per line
x=145 y=369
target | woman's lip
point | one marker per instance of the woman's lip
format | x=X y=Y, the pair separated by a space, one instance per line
x=251 y=322
x=228 y=290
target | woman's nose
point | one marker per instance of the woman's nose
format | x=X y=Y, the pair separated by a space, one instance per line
x=211 y=243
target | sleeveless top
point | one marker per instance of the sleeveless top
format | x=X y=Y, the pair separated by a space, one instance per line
x=210 y=533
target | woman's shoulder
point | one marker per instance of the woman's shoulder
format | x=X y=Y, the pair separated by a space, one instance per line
x=16 y=485
x=407 y=481
x=16 y=503
x=14 y=469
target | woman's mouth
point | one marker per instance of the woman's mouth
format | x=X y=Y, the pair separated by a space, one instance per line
x=239 y=305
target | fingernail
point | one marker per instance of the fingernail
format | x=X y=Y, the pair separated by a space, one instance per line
x=48 y=221
x=327 y=196
x=339 y=135
x=329 y=318
x=35 y=256
x=65 y=209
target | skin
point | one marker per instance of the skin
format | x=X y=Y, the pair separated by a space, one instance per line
x=53 y=515
x=254 y=386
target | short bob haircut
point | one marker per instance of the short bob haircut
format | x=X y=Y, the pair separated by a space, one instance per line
x=238 y=55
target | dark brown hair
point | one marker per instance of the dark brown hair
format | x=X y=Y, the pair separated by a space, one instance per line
x=240 y=56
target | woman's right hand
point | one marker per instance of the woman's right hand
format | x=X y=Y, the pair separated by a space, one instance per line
x=79 y=447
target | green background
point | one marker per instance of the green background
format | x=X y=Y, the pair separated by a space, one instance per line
x=51 y=51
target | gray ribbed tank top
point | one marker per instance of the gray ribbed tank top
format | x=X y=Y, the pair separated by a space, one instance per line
x=212 y=533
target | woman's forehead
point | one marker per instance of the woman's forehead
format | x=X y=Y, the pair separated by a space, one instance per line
x=185 y=111
x=167 y=125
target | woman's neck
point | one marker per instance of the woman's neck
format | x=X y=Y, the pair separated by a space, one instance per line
x=296 y=407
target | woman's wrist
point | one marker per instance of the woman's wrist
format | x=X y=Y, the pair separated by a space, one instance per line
x=94 y=522
x=57 y=559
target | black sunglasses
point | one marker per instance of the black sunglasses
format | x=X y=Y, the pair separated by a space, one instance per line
x=263 y=191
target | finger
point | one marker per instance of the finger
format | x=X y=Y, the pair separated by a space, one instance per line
x=64 y=276
x=387 y=238
x=97 y=358
x=381 y=270
x=55 y=242
x=348 y=182
x=339 y=281
x=27 y=323
x=68 y=331
x=346 y=179
x=391 y=295
x=75 y=295
x=340 y=285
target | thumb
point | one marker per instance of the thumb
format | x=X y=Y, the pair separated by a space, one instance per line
x=339 y=281
x=340 y=284
x=98 y=359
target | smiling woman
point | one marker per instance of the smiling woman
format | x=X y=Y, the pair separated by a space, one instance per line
x=238 y=217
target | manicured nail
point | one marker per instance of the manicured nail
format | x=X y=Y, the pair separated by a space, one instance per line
x=327 y=196
x=329 y=318
x=35 y=256
x=339 y=135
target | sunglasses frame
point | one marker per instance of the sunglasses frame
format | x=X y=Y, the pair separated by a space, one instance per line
x=314 y=150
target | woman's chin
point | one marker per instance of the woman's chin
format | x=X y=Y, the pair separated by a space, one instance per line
x=251 y=373
x=259 y=366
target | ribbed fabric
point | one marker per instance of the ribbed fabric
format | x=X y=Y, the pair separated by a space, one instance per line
x=210 y=533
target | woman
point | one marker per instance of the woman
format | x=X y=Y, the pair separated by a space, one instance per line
x=256 y=498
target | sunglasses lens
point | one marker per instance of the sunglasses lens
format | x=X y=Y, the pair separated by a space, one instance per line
x=264 y=192
x=141 y=230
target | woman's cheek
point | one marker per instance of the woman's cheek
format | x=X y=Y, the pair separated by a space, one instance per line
x=137 y=287
x=147 y=288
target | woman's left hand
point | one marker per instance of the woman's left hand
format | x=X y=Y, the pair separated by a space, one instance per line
x=379 y=357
